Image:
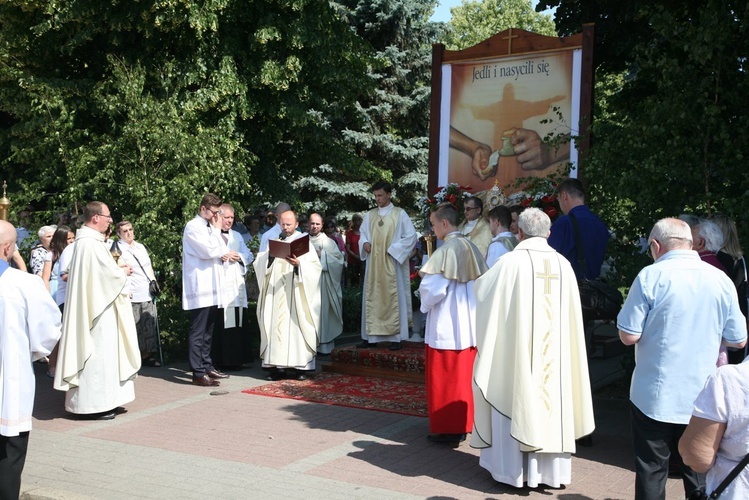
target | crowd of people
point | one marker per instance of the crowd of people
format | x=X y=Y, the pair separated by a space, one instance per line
x=506 y=340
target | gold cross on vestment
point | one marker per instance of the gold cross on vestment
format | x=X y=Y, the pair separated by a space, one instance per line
x=509 y=38
x=547 y=277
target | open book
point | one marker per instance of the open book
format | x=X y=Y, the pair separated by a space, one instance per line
x=281 y=249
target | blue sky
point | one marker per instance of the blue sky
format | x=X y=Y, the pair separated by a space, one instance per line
x=442 y=12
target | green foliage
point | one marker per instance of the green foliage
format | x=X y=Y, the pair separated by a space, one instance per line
x=352 y=308
x=389 y=130
x=476 y=20
x=147 y=105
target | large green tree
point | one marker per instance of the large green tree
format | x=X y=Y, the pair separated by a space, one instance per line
x=668 y=130
x=476 y=20
x=147 y=105
x=389 y=131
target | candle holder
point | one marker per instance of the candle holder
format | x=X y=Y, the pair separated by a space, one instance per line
x=5 y=203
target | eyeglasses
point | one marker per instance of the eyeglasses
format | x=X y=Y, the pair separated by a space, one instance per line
x=471 y=208
x=214 y=212
x=108 y=216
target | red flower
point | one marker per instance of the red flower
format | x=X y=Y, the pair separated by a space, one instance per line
x=551 y=211
x=414 y=275
x=526 y=202
x=546 y=199
x=450 y=198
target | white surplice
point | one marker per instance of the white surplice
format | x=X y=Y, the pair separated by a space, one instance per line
x=99 y=357
x=501 y=244
x=398 y=250
x=288 y=309
x=29 y=329
x=233 y=286
x=202 y=249
x=331 y=296
x=531 y=388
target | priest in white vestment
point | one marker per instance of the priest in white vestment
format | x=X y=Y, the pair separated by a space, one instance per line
x=387 y=239
x=99 y=357
x=447 y=299
x=531 y=387
x=475 y=226
x=29 y=330
x=331 y=296
x=288 y=309
x=230 y=347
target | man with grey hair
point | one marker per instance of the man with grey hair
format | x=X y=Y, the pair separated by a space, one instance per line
x=678 y=312
x=707 y=240
x=531 y=387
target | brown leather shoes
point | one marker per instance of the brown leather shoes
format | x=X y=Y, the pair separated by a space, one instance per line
x=205 y=381
x=216 y=374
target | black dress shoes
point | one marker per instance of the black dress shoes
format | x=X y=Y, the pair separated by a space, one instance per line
x=277 y=374
x=215 y=374
x=366 y=345
x=205 y=381
x=453 y=440
x=396 y=346
x=105 y=415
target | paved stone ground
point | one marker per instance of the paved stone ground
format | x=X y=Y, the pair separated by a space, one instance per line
x=179 y=441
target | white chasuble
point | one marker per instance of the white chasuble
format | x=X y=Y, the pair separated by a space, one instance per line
x=233 y=287
x=531 y=366
x=288 y=310
x=99 y=356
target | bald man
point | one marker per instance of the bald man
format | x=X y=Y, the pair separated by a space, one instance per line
x=29 y=329
x=288 y=308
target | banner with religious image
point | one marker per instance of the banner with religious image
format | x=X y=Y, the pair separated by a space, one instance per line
x=516 y=105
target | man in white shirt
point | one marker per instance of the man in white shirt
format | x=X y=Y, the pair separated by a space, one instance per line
x=136 y=256
x=29 y=329
x=503 y=240
x=203 y=253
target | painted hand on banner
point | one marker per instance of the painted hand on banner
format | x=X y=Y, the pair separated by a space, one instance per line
x=534 y=154
x=478 y=151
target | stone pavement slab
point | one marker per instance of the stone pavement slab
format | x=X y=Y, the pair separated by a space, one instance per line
x=179 y=441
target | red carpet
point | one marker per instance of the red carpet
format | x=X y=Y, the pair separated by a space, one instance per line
x=369 y=393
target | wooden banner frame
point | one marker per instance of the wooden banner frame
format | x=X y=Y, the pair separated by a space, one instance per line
x=512 y=43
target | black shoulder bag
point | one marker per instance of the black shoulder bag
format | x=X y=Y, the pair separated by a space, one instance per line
x=599 y=300
x=153 y=286
x=701 y=495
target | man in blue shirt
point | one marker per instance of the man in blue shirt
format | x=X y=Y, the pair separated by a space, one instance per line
x=593 y=232
x=678 y=312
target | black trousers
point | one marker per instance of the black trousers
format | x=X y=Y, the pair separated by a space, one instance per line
x=12 y=458
x=654 y=443
x=199 y=339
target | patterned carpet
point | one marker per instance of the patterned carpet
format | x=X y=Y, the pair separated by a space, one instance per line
x=369 y=393
x=408 y=359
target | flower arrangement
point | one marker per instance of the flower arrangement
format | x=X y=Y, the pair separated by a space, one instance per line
x=538 y=192
x=453 y=193
x=415 y=279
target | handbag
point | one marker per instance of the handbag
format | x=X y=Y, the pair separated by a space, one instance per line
x=599 y=300
x=699 y=494
x=153 y=286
